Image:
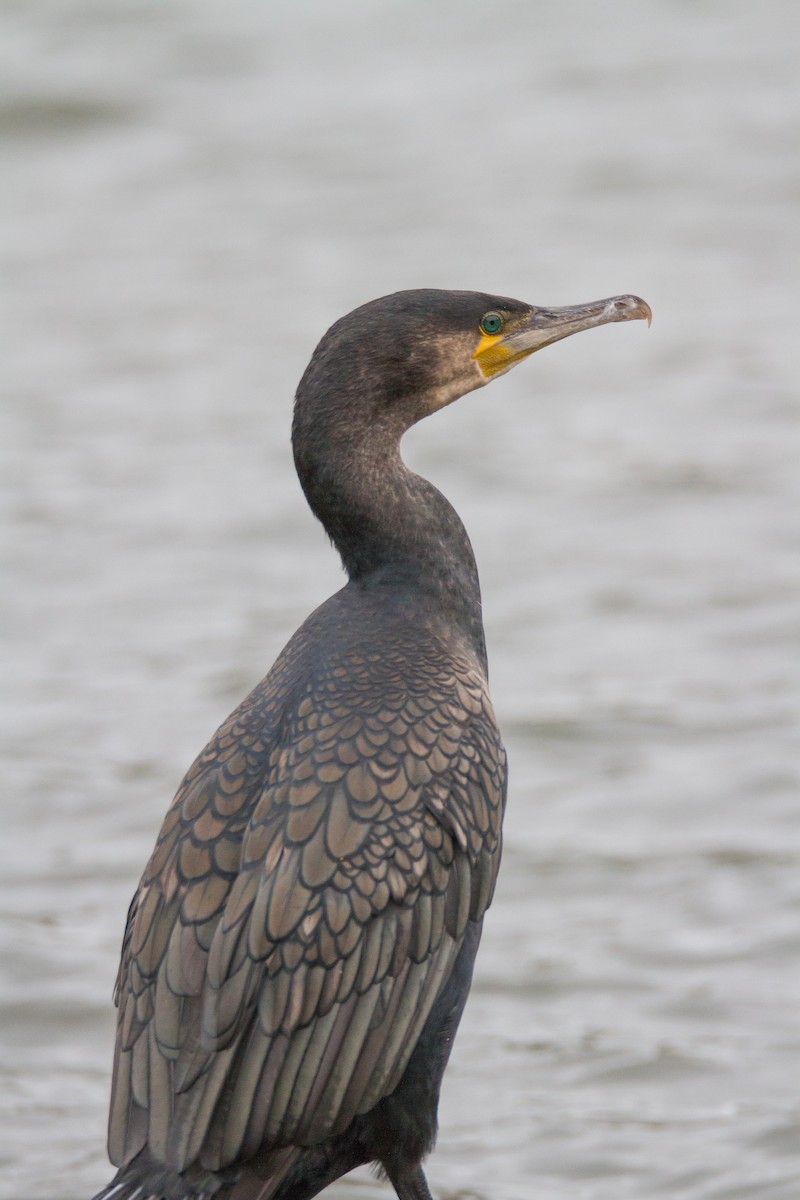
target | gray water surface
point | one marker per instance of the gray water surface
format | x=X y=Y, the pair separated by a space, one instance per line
x=191 y=194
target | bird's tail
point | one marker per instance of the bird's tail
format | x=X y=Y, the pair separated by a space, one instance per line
x=142 y=1179
x=124 y=1189
x=135 y=1183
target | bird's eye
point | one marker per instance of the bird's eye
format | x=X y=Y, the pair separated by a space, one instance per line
x=492 y=323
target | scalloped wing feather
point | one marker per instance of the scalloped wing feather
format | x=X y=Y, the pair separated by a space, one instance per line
x=303 y=907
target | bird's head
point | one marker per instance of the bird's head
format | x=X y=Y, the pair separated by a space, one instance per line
x=413 y=352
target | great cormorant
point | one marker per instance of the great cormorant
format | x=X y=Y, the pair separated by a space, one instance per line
x=299 y=951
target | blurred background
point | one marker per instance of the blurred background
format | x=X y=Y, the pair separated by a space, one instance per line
x=191 y=194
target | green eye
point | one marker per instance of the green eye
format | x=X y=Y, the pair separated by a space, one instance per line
x=492 y=323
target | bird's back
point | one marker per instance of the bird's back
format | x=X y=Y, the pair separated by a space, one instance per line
x=307 y=898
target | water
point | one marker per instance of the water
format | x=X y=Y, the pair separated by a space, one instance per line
x=191 y=194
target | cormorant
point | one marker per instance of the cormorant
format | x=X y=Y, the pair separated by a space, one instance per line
x=299 y=951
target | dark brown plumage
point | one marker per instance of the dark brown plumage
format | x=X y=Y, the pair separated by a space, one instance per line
x=299 y=950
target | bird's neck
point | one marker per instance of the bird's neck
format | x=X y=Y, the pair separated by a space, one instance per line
x=393 y=528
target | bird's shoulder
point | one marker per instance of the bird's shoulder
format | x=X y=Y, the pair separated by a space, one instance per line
x=391 y=713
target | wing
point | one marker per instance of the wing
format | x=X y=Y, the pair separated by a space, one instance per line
x=302 y=910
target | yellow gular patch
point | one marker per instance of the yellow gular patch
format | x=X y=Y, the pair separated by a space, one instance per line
x=492 y=354
x=488 y=340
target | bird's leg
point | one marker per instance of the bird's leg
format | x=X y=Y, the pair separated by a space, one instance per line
x=410 y=1185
